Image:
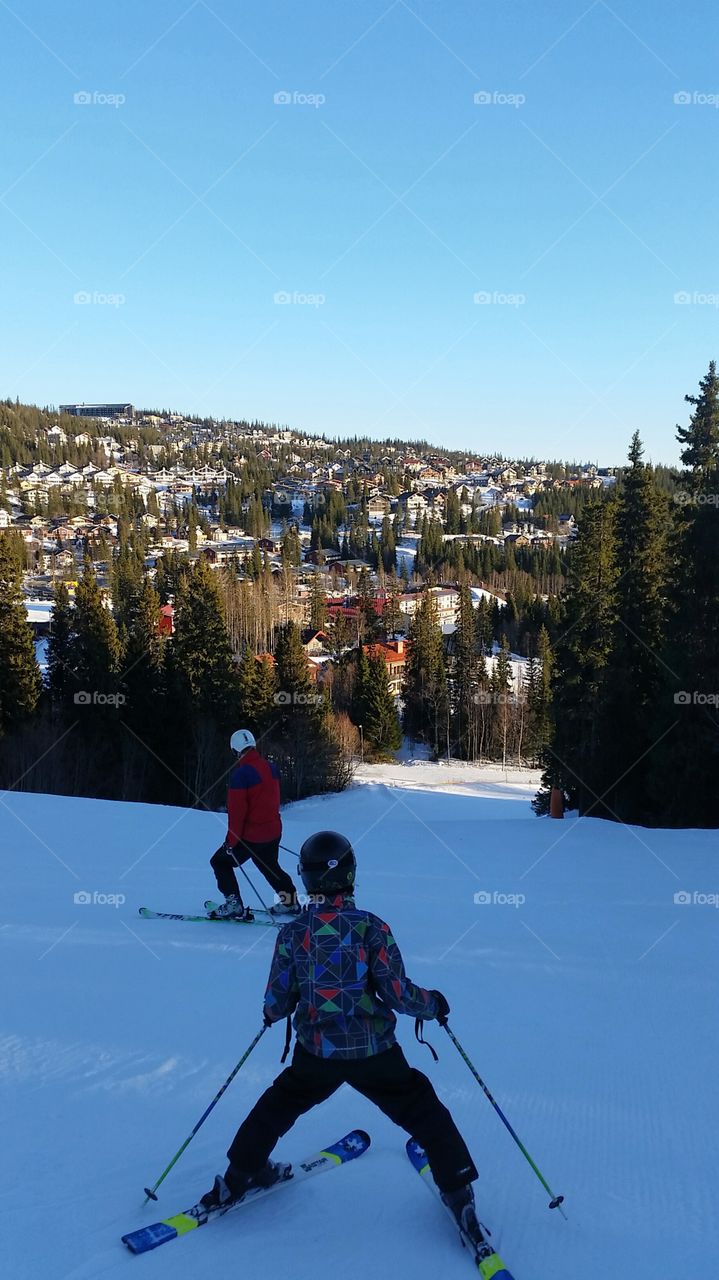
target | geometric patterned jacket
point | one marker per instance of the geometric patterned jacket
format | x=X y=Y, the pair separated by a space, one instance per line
x=340 y=971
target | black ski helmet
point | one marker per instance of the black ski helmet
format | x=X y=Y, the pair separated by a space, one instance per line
x=327 y=863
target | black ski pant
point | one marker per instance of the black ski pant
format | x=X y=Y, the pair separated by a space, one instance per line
x=266 y=857
x=404 y=1094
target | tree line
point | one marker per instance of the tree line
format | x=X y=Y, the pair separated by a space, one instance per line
x=635 y=732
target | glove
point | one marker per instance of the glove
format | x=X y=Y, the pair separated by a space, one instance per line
x=442 y=1007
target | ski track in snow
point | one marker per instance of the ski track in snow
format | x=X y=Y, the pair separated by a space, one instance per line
x=588 y=1009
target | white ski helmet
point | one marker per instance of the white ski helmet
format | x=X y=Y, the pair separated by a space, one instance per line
x=242 y=740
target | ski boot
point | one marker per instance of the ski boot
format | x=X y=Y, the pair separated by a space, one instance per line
x=235 y=1184
x=280 y=910
x=461 y=1205
x=232 y=908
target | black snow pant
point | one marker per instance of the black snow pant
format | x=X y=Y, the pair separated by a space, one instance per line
x=404 y=1094
x=266 y=857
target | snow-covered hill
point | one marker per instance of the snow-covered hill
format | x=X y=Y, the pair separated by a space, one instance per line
x=585 y=994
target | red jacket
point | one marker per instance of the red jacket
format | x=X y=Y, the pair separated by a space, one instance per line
x=253 y=801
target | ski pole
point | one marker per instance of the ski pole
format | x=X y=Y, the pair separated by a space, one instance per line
x=556 y=1201
x=294 y=855
x=254 y=890
x=150 y=1192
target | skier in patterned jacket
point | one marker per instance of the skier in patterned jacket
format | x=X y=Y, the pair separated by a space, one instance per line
x=340 y=972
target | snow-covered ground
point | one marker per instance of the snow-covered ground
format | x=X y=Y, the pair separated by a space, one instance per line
x=584 y=992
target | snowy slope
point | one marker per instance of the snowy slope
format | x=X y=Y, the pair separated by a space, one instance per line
x=588 y=1008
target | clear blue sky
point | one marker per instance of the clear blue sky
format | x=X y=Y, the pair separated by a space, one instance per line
x=391 y=203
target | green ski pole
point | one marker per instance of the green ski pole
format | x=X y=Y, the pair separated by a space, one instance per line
x=150 y=1192
x=556 y=1201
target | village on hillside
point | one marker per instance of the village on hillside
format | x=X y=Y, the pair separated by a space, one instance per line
x=91 y=466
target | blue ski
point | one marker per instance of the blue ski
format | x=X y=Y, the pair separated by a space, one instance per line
x=354 y=1144
x=488 y=1263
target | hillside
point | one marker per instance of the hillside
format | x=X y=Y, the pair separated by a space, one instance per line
x=587 y=1009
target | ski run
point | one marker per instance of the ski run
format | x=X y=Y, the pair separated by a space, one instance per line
x=579 y=958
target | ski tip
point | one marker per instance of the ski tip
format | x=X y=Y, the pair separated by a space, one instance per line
x=417 y=1155
x=353 y=1144
x=149 y=1237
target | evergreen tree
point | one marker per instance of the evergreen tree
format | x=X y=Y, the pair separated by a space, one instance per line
x=340 y=634
x=424 y=690
x=635 y=673
x=380 y=720
x=368 y=619
x=501 y=700
x=265 y=693
x=294 y=681
x=318 y=603
x=465 y=677
x=685 y=790
x=391 y=613
x=97 y=644
x=143 y=660
x=538 y=693
x=201 y=645
x=248 y=676
x=20 y=680
x=60 y=646
x=573 y=762
x=359 y=689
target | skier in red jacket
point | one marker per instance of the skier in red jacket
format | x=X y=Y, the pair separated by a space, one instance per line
x=254 y=828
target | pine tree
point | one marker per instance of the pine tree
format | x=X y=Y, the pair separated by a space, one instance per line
x=60 y=646
x=143 y=659
x=201 y=645
x=538 y=693
x=635 y=672
x=359 y=688
x=391 y=613
x=380 y=720
x=20 y=680
x=318 y=603
x=368 y=620
x=685 y=790
x=500 y=689
x=265 y=693
x=465 y=676
x=424 y=690
x=296 y=691
x=247 y=688
x=573 y=761
x=97 y=645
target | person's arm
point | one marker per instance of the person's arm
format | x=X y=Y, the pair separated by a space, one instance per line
x=282 y=992
x=390 y=982
x=236 y=808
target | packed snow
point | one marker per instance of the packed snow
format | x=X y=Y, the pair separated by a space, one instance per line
x=579 y=958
